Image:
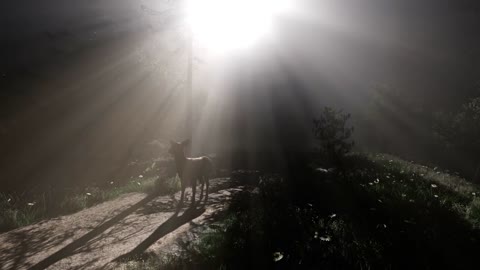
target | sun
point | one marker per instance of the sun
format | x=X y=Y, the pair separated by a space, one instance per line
x=224 y=25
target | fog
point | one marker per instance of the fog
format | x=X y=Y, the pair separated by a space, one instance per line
x=89 y=86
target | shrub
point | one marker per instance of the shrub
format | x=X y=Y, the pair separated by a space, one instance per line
x=333 y=134
x=473 y=212
x=459 y=132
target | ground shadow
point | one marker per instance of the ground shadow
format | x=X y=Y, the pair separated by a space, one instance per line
x=69 y=249
x=30 y=242
x=170 y=225
x=27 y=242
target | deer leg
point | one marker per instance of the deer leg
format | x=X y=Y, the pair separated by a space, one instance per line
x=182 y=196
x=206 y=191
x=194 y=190
x=201 y=190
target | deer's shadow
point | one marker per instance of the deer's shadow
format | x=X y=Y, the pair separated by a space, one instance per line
x=170 y=225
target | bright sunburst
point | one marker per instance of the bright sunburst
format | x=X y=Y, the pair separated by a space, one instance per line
x=223 y=25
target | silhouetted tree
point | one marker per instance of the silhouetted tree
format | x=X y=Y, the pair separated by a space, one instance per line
x=460 y=133
x=333 y=134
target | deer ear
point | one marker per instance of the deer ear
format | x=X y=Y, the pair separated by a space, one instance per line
x=186 y=142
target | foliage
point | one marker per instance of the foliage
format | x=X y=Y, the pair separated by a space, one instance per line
x=15 y=213
x=380 y=213
x=460 y=132
x=462 y=129
x=473 y=212
x=332 y=133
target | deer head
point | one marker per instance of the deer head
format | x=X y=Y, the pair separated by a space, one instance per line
x=178 y=148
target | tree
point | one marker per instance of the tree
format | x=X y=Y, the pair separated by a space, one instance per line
x=460 y=133
x=333 y=135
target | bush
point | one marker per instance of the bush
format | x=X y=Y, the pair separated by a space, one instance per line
x=460 y=133
x=473 y=212
x=333 y=134
x=15 y=212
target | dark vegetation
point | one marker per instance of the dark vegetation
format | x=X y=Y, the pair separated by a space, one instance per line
x=459 y=133
x=372 y=211
x=377 y=213
x=418 y=126
x=333 y=135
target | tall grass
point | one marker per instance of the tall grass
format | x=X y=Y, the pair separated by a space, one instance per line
x=430 y=185
x=17 y=210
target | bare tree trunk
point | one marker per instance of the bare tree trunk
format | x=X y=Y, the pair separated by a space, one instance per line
x=189 y=88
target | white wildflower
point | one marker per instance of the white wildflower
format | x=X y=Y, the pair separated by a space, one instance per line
x=382 y=226
x=277 y=256
x=325 y=238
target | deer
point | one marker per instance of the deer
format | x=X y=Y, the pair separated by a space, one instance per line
x=190 y=170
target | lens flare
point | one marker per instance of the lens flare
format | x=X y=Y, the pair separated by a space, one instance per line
x=223 y=25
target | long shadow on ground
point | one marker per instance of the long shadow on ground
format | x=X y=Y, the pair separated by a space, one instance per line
x=174 y=222
x=70 y=248
x=148 y=205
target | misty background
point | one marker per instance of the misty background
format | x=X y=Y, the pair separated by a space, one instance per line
x=88 y=87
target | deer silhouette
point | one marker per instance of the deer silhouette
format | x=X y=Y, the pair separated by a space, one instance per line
x=190 y=170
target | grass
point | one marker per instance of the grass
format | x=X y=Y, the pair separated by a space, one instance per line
x=472 y=212
x=15 y=213
x=379 y=212
x=430 y=185
x=451 y=180
x=17 y=210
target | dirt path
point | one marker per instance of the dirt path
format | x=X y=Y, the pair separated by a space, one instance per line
x=94 y=237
